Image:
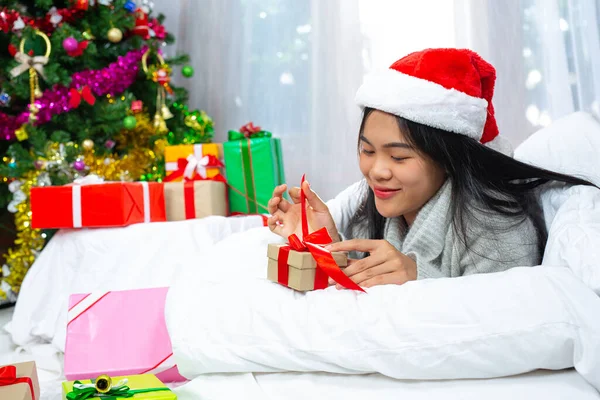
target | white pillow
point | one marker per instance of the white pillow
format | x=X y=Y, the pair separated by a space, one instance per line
x=574 y=233
x=570 y=145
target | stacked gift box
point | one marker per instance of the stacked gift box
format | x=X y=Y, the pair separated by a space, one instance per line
x=20 y=382
x=232 y=178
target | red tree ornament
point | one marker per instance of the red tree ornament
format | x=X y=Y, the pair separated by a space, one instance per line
x=141 y=24
x=12 y=50
x=82 y=5
x=81 y=46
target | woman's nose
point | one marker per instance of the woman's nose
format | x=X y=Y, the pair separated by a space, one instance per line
x=380 y=170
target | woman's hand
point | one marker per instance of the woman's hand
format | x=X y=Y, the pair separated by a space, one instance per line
x=286 y=217
x=385 y=265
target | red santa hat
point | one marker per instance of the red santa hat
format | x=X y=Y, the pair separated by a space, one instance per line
x=449 y=89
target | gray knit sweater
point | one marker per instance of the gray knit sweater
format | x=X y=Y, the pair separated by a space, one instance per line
x=432 y=241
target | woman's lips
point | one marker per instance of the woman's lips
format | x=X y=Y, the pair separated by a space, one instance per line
x=384 y=193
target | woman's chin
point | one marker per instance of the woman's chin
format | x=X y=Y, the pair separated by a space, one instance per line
x=388 y=212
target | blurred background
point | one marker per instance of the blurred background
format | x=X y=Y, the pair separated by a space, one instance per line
x=293 y=66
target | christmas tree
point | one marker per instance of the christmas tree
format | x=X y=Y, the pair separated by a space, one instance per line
x=84 y=89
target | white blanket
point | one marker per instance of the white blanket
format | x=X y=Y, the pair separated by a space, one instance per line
x=229 y=318
x=81 y=261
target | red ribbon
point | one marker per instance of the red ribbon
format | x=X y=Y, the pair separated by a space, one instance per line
x=213 y=162
x=8 y=376
x=75 y=96
x=249 y=129
x=189 y=203
x=314 y=242
x=189 y=194
x=198 y=177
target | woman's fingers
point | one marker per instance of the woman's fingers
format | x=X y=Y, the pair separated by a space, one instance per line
x=358 y=269
x=279 y=190
x=273 y=205
x=361 y=245
x=313 y=199
x=370 y=273
x=276 y=224
x=284 y=205
x=277 y=201
x=295 y=194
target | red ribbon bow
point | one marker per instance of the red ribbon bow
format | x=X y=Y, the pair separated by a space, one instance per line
x=8 y=376
x=198 y=177
x=208 y=161
x=85 y=93
x=249 y=129
x=314 y=242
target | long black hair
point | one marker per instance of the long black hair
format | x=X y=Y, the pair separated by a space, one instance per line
x=482 y=179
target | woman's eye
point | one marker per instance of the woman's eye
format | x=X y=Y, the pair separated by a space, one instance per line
x=368 y=152
x=399 y=158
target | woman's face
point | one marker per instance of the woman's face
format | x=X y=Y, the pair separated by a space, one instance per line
x=401 y=178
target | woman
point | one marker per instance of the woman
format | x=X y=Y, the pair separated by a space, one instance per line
x=438 y=200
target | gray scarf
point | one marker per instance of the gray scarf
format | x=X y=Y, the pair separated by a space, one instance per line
x=495 y=242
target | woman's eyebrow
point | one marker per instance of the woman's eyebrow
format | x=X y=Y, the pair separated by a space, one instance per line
x=388 y=145
x=397 y=144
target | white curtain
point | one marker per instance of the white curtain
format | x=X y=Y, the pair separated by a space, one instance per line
x=293 y=66
x=547 y=56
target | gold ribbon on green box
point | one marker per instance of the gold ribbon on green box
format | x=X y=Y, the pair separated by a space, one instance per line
x=254 y=167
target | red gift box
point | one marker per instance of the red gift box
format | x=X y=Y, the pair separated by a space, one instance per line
x=110 y=204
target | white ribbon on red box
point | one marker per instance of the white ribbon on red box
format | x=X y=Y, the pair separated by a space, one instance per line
x=95 y=180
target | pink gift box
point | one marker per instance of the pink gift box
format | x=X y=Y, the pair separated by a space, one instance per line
x=119 y=333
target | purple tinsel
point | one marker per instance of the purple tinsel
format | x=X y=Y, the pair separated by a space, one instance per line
x=113 y=80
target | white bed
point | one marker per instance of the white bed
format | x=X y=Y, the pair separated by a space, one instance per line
x=545 y=385
x=219 y=357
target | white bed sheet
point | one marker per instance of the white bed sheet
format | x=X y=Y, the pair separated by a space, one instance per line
x=546 y=385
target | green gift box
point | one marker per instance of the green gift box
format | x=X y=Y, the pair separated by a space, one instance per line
x=146 y=386
x=254 y=167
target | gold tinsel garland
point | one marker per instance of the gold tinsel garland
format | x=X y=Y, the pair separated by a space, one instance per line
x=28 y=242
x=139 y=161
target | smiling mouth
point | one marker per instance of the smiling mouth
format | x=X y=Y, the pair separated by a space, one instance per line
x=385 y=193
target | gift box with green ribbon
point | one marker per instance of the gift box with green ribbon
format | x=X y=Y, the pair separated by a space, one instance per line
x=145 y=386
x=254 y=167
